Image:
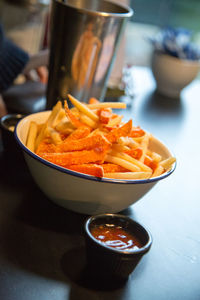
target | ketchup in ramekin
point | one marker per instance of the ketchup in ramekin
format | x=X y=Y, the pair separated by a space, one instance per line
x=116 y=237
x=115 y=244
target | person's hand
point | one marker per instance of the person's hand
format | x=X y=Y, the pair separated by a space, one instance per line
x=37 y=67
x=3 y=110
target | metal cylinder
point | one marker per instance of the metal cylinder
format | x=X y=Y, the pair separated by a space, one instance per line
x=84 y=35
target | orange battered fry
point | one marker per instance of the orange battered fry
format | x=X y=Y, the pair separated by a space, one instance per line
x=93 y=100
x=78 y=133
x=75 y=157
x=150 y=162
x=136 y=132
x=124 y=130
x=97 y=141
x=135 y=153
x=76 y=123
x=111 y=168
x=46 y=146
x=90 y=169
x=105 y=115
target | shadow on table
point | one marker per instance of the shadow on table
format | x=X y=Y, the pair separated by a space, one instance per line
x=156 y=104
x=44 y=239
x=87 y=281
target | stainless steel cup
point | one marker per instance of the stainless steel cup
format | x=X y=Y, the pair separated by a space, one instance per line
x=84 y=35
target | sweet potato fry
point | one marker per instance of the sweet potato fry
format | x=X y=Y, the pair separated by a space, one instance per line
x=91 y=139
x=87 y=143
x=135 y=153
x=136 y=132
x=46 y=147
x=150 y=162
x=110 y=168
x=93 y=100
x=78 y=133
x=90 y=169
x=75 y=157
x=105 y=115
x=124 y=130
x=76 y=123
x=114 y=121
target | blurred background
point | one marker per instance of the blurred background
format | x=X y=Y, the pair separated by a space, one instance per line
x=25 y=22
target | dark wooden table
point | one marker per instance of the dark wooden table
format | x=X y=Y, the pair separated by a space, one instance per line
x=42 y=250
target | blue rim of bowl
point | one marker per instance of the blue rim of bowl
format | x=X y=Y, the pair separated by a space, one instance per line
x=85 y=176
x=135 y=251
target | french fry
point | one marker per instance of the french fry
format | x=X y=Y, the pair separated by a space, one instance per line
x=128 y=142
x=32 y=133
x=133 y=161
x=60 y=116
x=167 y=163
x=144 y=145
x=128 y=175
x=64 y=126
x=120 y=148
x=155 y=156
x=83 y=108
x=158 y=171
x=122 y=162
x=91 y=139
x=88 y=121
x=99 y=105
x=54 y=135
x=55 y=111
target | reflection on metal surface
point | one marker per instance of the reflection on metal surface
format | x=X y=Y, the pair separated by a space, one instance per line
x=85 y=58
x=84 y=38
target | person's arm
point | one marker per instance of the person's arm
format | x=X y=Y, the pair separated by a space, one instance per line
x=12 y=61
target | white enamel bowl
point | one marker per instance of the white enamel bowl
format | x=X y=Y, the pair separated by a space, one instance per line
x=79 y=192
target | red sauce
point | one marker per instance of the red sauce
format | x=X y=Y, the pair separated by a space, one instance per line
x=115 y=237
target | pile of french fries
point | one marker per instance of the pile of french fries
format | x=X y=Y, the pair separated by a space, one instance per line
x=92 y=139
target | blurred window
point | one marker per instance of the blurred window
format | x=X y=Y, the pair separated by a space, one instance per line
x=152 y=15
x=176 y=13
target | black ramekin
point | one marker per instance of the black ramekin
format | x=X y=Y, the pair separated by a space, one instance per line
x=10 y=146
x=111 y=262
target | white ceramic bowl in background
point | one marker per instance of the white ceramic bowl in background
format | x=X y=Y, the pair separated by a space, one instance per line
x=172 y=74
x=79 y=192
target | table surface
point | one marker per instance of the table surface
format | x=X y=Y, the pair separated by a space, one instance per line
x=42 y=250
